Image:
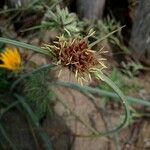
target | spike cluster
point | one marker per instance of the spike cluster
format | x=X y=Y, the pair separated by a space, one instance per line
x=77 y=56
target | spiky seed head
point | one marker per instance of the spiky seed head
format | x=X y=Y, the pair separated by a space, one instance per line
x=77 y=55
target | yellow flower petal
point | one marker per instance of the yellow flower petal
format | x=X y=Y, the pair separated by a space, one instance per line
x=11 y=59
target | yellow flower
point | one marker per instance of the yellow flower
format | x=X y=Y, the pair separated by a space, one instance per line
x=10 y=59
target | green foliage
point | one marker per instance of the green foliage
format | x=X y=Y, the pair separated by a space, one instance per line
x=35 y=120
x=4 y=83
x=38 y=93
x=126 y=85
x=62 y=21
x=107 y=26
x=4 y=135
x=35 y=4
x=1 y=44
x=19 y=13
x=132 y=69
x=116 y=78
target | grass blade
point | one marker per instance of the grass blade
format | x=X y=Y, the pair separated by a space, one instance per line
x=7 y=138
x=8 y=108
x=24 y=45
x=87 y=91
x=106 y=36
x=99 y=92
x=35 y=121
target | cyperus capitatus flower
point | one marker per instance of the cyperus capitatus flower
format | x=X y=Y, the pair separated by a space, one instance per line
x=77 y=55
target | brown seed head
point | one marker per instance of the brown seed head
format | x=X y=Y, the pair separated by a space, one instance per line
x=75 y=54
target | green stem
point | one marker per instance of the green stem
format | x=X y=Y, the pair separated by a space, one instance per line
x=104 y=78
x=99 y=92
x=7 y=138
x=8 y=108
x=24 y=45
x=88 y=93
x=101 y=39
x=35 y=121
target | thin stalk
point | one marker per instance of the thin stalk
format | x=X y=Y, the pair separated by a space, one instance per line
x=87 y=93
x=13 y=146
x=104 y=37
x=100 y=92
x=35 y=121
x=24 y=45
x=104 y=78
x=8 y=108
